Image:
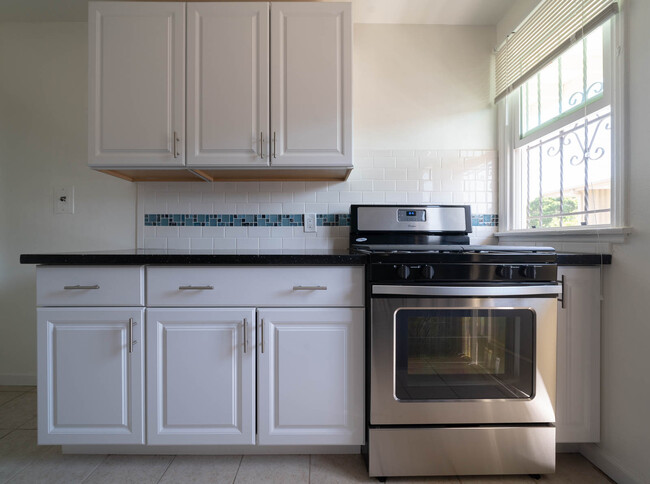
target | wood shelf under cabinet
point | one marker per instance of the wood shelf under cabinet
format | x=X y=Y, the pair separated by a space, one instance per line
x=225 y=174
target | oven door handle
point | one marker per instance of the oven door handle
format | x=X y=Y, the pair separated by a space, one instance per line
x=465 y=291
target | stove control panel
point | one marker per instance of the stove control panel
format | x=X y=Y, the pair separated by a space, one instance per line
x=462 y=273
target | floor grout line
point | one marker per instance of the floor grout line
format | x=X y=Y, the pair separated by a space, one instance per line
x=95 y=468
x=241 y=458
x=166 y=468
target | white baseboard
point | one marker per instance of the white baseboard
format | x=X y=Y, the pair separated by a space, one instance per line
x=211 y=449
x=610 y=465
x=26 y=380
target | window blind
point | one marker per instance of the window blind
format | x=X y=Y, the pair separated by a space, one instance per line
x=550 y=29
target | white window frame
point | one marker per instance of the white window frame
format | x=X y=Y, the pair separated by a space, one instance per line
x=508 y=124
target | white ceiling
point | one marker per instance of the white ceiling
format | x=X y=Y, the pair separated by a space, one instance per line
x=447 y=12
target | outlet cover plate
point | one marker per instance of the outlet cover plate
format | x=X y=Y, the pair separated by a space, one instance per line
x=64 y=200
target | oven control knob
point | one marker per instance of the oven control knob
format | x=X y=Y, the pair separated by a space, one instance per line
x=504 y=272
x=528 y=271
x=427 y=272
x=403 y=272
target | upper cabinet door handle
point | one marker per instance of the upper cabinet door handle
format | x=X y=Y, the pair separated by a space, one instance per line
x=195 y=288
x=274 y=145
x=94 y=286
x=310 y=288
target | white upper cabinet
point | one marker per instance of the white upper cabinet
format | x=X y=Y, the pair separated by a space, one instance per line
x=227 y=83
x=136 y=83
x=311 y=84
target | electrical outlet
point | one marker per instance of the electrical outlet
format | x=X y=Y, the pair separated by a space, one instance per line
x=310 y=222
x=64 y=200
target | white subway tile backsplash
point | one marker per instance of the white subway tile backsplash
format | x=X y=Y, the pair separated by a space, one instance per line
x=351 y=197
x=396 y=197
x=228 y=245
x=374 y=197
x=361 y=185
x=178 y=243
x=380 y=176
x=327 y=197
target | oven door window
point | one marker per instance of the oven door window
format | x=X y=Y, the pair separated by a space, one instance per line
x=464 y=354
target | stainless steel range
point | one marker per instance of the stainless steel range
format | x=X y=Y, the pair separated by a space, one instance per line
x=461 y=349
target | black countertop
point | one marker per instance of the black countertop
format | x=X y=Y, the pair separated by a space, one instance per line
x=578 y=259
x=215 y=257
x=196 y=257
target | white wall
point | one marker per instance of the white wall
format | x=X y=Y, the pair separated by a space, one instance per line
x=423 y=87
x=43 y=118
x=625 y=438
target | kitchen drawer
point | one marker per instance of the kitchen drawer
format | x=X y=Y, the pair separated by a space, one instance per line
x=255 y=286
x=90 y=286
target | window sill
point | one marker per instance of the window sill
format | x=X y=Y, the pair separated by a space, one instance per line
x=576 y=238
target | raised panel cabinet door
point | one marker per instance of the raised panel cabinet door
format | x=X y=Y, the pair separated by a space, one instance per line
x=136 y=87
x=90 y=376
x=227 y=83
x=201 y=376
x=310 y=376
x=578 y=356
x=311 y=84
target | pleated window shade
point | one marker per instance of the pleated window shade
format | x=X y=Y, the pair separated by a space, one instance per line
x=549 y=30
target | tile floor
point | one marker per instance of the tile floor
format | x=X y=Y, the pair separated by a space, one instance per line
x=22 y=461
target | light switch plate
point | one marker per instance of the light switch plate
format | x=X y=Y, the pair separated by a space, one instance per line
x=64 y=200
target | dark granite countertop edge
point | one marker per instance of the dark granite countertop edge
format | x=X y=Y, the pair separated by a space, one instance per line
x=580 y=259
x=193 y=259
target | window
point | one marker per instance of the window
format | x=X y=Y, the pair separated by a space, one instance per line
x=559 y=139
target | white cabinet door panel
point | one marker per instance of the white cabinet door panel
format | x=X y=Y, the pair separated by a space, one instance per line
x=201 y=376
x=311 y=82
x=90 y=381
x=578 y=356
x=227 y=83
x=136 y=83
x=310 y=376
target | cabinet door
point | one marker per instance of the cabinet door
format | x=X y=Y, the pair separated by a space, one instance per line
x=90 y=376
x=311 y=83
x=227 y=83
x=136 y=83
x=578 y=356
x=310 y=377
x=201 y=376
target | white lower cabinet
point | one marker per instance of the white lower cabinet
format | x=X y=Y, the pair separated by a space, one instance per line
x=578 y=356
x=310 y=376
x=90 y=376
x=201 y=376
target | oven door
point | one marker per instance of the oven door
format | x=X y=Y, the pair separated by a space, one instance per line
x=467 y=359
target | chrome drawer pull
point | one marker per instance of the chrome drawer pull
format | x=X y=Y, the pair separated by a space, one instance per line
x=70 y=288
x=131 y=340
x=310 y=288
x=195 y=288
x=245 y=342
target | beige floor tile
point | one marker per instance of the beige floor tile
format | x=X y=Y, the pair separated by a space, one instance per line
x=425 y=480
x=130 y=469
x=273 y=469
x=199 y=469
x=17 y=450
x=30 y=424
x=52 y=467
x=16 y=412
x=17 y=388
x=8 y=396
x=575 y=469
x=338 y=469
x=523 y=479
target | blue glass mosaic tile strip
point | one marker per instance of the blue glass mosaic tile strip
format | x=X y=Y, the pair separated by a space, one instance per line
x=270 y=220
